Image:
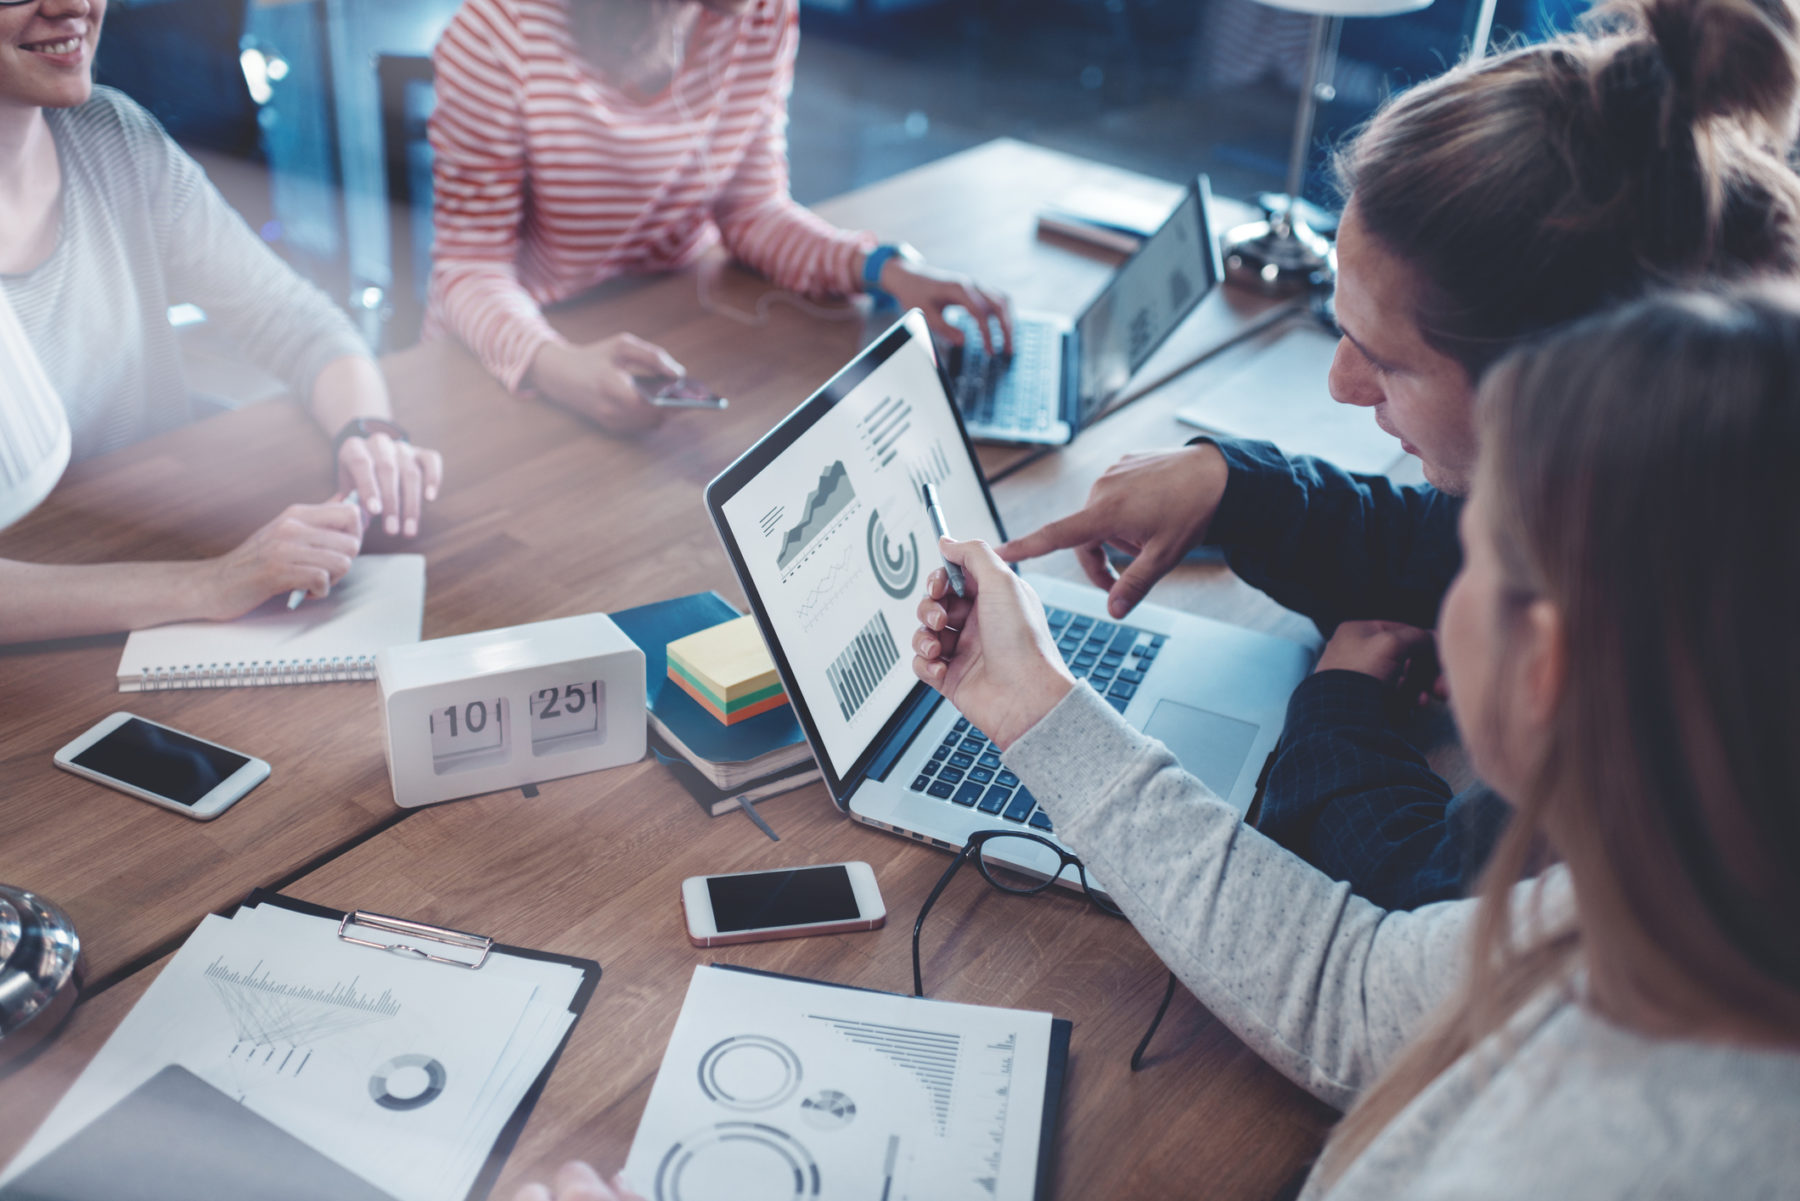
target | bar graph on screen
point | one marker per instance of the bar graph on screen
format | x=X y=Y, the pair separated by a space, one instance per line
x=862 y=666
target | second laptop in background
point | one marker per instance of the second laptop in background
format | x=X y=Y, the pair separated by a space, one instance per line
x=1063 y=373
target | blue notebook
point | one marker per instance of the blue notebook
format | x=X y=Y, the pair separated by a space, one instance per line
x=727 y=755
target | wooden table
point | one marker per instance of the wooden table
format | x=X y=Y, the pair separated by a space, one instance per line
x=542 y=517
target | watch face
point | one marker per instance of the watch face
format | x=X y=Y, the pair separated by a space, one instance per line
x=567 y=716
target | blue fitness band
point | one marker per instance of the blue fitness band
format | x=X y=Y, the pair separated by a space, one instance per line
x=878 y=258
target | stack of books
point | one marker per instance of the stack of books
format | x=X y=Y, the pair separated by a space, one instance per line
x=720 y=761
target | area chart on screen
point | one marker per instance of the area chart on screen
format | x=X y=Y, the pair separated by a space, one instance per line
x=825 y=502
x=855 y=673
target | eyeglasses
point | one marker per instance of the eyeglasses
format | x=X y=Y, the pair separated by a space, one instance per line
x=995 y=852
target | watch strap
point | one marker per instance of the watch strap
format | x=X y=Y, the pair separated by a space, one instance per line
x=363 y=427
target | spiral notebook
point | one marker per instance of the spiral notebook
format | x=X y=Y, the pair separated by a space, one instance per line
x=380 y=603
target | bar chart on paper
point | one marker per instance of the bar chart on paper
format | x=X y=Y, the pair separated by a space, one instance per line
x=856 y=672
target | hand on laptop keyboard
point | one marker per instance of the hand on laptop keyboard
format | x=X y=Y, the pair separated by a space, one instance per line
x=914 y=285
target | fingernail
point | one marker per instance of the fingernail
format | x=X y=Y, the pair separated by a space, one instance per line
x=412 y=528
x=1116 y=608
x=930 y=648
x=936 y=621
x=372 y=503
x=431 y=494
x=393 y=525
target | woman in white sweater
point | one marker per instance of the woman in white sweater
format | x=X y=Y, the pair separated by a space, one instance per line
x=1625 y=667
x=105 y=223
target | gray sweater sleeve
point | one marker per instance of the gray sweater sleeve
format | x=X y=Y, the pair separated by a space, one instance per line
x=1319 y=982
x=213 y=259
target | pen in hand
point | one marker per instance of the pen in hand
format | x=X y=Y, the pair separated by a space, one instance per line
x=936 y=513
x=355 y=502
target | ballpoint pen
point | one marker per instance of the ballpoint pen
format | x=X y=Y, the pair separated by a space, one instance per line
x=936 y=512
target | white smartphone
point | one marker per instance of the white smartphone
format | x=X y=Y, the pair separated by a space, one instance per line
x=155 y=763
x=677 y=392
x=792 y=903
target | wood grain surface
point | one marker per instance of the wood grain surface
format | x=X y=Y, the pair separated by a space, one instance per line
x=543 y=516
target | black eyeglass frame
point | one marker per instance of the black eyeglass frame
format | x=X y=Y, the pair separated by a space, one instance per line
x=972 y=849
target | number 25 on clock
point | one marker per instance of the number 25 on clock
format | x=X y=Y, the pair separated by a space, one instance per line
x=566 y=717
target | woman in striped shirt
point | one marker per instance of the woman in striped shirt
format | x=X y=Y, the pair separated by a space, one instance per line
x=579 y=140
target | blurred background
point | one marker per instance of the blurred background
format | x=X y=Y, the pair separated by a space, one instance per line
x=310 y=114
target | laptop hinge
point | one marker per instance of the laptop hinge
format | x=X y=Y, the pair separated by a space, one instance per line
x=902 y=737
x=1071 y=382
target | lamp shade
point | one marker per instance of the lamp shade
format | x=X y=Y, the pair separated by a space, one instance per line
x=34 y=429
x=1349 y=8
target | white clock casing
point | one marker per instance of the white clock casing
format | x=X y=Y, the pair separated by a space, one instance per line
x=497 y=709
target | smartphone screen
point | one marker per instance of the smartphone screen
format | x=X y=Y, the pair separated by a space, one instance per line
x=160 y=760
x=802 y=897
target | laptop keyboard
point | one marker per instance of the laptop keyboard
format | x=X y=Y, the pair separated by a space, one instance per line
x=965 y=769
x=1017 y=393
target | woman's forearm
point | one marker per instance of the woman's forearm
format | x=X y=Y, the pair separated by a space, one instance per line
x=42 y=600
x=347 y=387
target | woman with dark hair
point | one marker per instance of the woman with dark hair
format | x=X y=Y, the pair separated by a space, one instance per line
x=1485 y=207
x=1625 y=669
x=576 y=141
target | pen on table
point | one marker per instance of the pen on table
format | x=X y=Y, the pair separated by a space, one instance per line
x=930 y=496
x=749 y=809
x=355 y=502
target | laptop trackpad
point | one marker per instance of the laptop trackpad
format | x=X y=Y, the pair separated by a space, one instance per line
x=1209 y=745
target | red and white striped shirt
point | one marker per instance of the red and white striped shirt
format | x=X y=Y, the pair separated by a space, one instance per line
x=549 y=180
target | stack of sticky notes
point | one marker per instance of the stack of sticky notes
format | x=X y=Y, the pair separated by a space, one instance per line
x=728 y=670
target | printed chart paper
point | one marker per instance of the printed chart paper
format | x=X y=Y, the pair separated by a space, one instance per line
x=776 y=1089
x=402 y=1071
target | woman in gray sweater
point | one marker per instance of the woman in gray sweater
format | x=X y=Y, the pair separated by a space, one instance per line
x=1625 y=667
x=105 y=223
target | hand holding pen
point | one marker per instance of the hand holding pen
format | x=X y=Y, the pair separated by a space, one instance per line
x=354 y=502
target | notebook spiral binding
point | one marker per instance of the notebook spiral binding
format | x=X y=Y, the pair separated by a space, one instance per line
x=267 y=671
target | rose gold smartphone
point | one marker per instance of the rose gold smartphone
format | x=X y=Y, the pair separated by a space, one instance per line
x=791 y=903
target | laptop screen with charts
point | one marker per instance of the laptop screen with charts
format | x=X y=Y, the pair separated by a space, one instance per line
x=826 y=528
x=1150 y=294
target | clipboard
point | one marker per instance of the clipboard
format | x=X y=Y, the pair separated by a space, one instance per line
x=1056 y=1068
x=403 y=936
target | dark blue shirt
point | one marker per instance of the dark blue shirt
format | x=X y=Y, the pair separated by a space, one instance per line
x=1347 y=791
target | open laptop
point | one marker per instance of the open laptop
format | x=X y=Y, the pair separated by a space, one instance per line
x=826 y=530
x=1063 y=373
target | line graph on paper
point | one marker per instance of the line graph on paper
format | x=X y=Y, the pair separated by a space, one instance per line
x=278 y=1022
x=835 y=579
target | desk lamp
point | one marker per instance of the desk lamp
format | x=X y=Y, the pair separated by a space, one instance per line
x=39 y=951
x=1281 y=255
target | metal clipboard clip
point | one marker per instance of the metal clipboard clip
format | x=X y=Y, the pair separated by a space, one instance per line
x=359 y=919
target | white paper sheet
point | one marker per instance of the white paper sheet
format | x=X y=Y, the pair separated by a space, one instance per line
x=776 y=1089
x=402 y=1071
